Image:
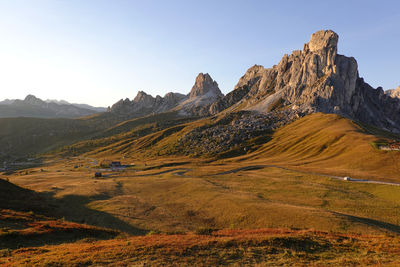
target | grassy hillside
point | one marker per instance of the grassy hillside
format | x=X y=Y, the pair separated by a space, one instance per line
x=271 y=247
x=330 y=144
x=285 y=182
x=24 y=137
x=124 y=133
x=324 y=143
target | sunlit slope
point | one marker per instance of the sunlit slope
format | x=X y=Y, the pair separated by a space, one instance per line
x=23 y=137
x=331 y=144
x=322 y=143
x=137 y=143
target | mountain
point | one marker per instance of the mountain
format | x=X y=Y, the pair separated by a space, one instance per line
x=315 y=79
x=32 y=106
x=204 y=92
x=85 y=106
x=7 y=101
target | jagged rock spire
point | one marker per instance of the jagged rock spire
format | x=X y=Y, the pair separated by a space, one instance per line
x=204 y=84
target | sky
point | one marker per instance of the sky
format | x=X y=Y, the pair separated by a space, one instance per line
x=97 y=52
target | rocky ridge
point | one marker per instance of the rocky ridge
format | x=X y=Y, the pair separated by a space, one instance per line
x=204 y=92
x=144 y=104
x=32 y=106
x=314 y=79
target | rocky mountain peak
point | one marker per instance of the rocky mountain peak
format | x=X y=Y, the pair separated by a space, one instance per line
x=324 y=40
x=33 y=100
x=204 y=84
x=143 y=97
x=316 y=79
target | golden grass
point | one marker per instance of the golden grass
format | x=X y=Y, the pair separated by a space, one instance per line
x=329 y=144
x=179 y=194
x=225 y=247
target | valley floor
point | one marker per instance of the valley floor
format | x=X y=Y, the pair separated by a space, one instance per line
x=174 y=207
x=289 y=194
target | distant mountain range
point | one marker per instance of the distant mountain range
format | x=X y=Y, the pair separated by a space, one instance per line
x=32 y=106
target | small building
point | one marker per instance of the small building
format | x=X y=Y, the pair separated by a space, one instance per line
x=115 y=164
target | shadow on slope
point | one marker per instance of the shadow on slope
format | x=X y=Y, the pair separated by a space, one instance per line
x=367 y=221
x=73 y=208
x=28 y=218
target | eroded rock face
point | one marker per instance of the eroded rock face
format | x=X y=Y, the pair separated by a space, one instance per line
x=315 y=79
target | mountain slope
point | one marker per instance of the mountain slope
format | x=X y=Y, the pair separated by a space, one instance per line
x=331 y=144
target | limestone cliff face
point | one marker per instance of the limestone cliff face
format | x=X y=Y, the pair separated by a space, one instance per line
x=316 y=79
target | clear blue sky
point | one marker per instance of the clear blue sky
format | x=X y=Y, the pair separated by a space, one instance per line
x=97 y=52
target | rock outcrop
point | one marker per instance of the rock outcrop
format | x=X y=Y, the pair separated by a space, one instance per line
x=395 y=93
x=203 y=85
x=316 y=79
